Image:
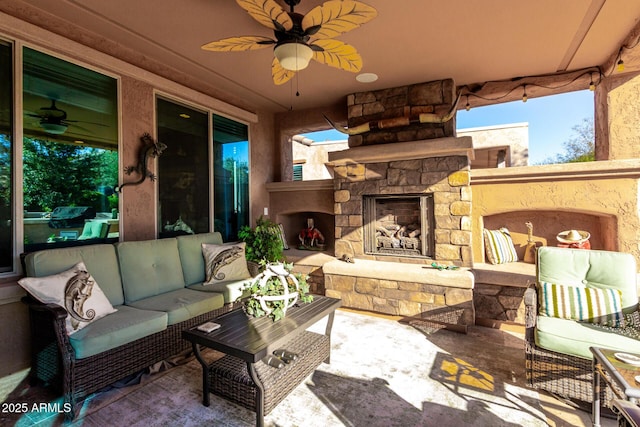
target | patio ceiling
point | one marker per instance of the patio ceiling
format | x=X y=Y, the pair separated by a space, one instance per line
x=410 y=41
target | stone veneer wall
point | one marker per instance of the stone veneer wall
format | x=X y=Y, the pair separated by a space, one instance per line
x=445 y=297
x=402 y=102
x=446 y=177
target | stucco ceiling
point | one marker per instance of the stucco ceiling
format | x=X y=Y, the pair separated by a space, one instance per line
x=410 y=41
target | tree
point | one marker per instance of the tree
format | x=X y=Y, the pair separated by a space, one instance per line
x=580 y=147
x=66 y=175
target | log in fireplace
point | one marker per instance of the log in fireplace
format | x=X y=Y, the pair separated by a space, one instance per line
x=398 y=225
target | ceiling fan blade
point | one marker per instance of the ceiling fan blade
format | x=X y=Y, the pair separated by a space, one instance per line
x=336 y=17
x=279 y=74
x=232 y=44
x=338 y=54
x=268 y=13
x=72 y=123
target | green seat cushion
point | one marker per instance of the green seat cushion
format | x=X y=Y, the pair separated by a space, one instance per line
x=149 y=268
x=190 y=248
x=124 y=326
x=101 y=261
x=231 y=290
x=574 y=338
x=94 y=230
x=181 y=304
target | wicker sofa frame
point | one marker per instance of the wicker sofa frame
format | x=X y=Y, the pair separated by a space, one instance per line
x=54 y=362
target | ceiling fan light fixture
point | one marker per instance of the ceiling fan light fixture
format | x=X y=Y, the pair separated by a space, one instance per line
x=54 y=128
x=293 y=56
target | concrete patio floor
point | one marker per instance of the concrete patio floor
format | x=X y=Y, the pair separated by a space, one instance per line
x=499 y=351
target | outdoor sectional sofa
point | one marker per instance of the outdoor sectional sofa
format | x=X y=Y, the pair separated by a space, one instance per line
x=558 y=358
x=156 y=288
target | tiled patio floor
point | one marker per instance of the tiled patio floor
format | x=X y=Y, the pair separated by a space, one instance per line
x=487 y=348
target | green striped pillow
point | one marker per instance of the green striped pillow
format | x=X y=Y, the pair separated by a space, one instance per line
x=499 y=246
x=593 y=305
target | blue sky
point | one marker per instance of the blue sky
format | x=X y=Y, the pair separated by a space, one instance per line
x=551 y=120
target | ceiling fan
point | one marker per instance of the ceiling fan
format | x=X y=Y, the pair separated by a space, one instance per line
x=300 y=38
x=54 y=120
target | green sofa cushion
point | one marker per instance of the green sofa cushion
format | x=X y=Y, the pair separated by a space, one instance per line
x=190 y=248
x=124 y=326
x=149 y=268
x=575 y=338
x=100 y=260
x=231 y=290
x=181 y=304
x=590 y=268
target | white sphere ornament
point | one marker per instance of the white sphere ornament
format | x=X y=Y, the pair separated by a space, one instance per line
x=279 y=272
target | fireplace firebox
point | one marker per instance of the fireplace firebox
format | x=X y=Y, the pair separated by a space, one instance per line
x=398 y=225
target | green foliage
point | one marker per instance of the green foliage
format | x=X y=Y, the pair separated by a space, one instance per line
x=273 y=287
x=113 y=201
x=579 y=148
x=58 y=174
x=263 y=241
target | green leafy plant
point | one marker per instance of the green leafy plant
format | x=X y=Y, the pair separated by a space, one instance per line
x=274 y=287
x=263 y=241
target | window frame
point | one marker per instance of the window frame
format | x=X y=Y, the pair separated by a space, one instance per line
x=18 y=135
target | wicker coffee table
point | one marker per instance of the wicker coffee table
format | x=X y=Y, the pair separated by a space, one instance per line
x=241 y=376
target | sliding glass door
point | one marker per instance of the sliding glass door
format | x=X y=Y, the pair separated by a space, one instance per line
x=231 y=176
x=183 y=169
x=184 y=188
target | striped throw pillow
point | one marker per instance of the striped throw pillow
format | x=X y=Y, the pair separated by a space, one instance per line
x=593 y=305
x=499 y=246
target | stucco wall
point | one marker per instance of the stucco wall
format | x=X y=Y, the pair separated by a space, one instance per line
x=600 y=189
x=314 y=157
x=616 y=117
x=515 y=136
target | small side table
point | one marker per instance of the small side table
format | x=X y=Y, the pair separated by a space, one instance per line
x=615 y=373
x=628 y=413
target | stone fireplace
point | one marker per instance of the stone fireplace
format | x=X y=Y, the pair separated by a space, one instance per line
x=398 y=225
x=414 y=206
x=402 y=200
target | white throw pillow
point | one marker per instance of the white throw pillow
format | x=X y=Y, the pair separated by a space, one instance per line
x=76 y=291
x=224 y=263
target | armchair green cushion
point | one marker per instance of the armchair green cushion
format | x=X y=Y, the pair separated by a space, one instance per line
x=585 y=269
x=574 y=338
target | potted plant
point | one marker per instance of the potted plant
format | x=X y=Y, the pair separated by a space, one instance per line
x=263 y=243
x=275 y=290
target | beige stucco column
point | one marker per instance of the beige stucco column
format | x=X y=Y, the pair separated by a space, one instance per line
x=617 y=110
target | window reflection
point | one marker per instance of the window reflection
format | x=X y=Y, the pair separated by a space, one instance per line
x=183 y=169
x=70 y=157
x=6 y=161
